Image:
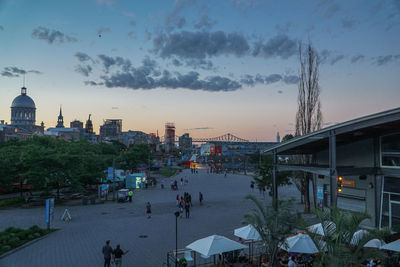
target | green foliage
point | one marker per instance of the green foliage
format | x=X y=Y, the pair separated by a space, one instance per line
x=287 y=137
x=273 y=226
x=14 y=237
x=263 y=178
x=48 y=163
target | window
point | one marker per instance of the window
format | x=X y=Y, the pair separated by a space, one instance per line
x=390 y=150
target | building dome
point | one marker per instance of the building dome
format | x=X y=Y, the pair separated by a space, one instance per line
x=23 y=110
x=23 y=101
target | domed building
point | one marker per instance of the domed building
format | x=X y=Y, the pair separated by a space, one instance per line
x=23 y=114
x=23 y=110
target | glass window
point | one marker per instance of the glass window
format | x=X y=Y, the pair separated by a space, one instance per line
x=390 y=150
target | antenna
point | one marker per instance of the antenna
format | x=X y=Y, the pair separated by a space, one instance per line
x=24 y=80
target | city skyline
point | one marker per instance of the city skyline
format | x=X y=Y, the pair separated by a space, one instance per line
x=211 y=67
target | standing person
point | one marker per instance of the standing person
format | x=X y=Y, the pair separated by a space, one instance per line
x=252 y=186
x=181 y=181
x=177 y=200
x=118 y=256
x=181 y=209
x=130 y=194
x=190 y=199
x=201 y=198
x=187 y=210
x=148 y=210
x=107 y=251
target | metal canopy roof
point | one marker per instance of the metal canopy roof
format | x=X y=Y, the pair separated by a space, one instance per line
x=372 y=125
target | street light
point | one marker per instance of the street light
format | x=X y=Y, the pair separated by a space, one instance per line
x=177 y=213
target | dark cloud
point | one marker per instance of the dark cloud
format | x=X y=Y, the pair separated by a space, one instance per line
x=85 y=70
x=111 y=61
x=200 y=44
x=324 y=55
x=132 y=23
x=251 y=80
x=332 y=10
x=348 y=23
x=92 y=83
x=51 y=36
x=291 y=79
x=383 y=60
x=176 y=62
x=280 y=91
x=200 y=64
x=357 y=58
x=204 y=22
x=16 y=72
x=336 y=59
x=82 y=57
x=102 y=30
x=279 y=46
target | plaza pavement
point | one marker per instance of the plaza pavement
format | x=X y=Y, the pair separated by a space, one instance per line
x=79 y=242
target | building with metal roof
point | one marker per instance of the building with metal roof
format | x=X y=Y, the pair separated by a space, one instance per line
x=364 y=152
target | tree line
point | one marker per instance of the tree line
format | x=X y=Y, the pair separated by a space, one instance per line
x=45 y=163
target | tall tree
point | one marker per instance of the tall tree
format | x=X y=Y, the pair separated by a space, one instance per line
x=308 y=116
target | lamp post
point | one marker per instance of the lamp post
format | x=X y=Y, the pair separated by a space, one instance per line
x=177 y=213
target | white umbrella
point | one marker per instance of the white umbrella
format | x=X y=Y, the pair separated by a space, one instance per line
x=214 y=244
x=318 y=229
x=357 y=236
x=374 y=243
x=394 y=246
x=247 y=232
x=300 y=243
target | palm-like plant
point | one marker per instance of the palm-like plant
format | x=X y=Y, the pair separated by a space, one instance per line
x=339 y=245
x=273 y=226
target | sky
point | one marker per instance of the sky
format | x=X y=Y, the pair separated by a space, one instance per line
x=211 y=67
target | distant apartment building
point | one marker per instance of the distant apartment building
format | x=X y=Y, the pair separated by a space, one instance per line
x=185 y=143
x=110 y=130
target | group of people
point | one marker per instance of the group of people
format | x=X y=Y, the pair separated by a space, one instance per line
x=115 y=254
x=294 y=260
x=184 y=203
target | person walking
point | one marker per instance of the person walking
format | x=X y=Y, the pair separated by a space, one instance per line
x=118 y=256
x=181 y=209
x=187 y=210
x=252 y=186
x=190 y=199
x=201 y=198
x=177 y=200
x=130 y=194
x=148 y=210
x=107 y=252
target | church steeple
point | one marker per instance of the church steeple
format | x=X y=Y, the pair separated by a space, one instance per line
x=60 y=121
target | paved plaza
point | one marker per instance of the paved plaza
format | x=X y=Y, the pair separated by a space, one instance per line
x=79 y=242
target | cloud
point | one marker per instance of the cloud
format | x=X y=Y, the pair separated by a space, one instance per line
x=82 y=57
x=245 y=4
x=204 y=22
x=1 y=28
x=279 y=46
x=284 y=28
x=51 y=36
x=147 y=35
x=132 y=34
x=16 y=72
x=332 y=10
x=176 y=62
x=149 y=76
x=348 y=23
x=383 y=60
x=336 y=59
x=173 y=19
x=200 y=64
x=132 y=23
x=85 y=70
x=102 y=30
x=200 y=44
x=251 y=80
x=357 y=58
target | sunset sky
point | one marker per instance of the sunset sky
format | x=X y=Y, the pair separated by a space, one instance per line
x=211 y=67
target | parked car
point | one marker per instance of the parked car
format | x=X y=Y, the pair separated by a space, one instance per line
x=123 y=195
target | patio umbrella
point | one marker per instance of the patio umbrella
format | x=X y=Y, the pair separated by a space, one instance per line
x=214 y=244
x=357 y=236
x=394 y=246
x=318 y=229
x=247 y=233
x=300 y=243
x=374 y=243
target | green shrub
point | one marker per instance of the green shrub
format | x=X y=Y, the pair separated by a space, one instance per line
x=36 y=235
x=30 y=237
x=14 y=242
x=11 y=202
x=5 y=248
